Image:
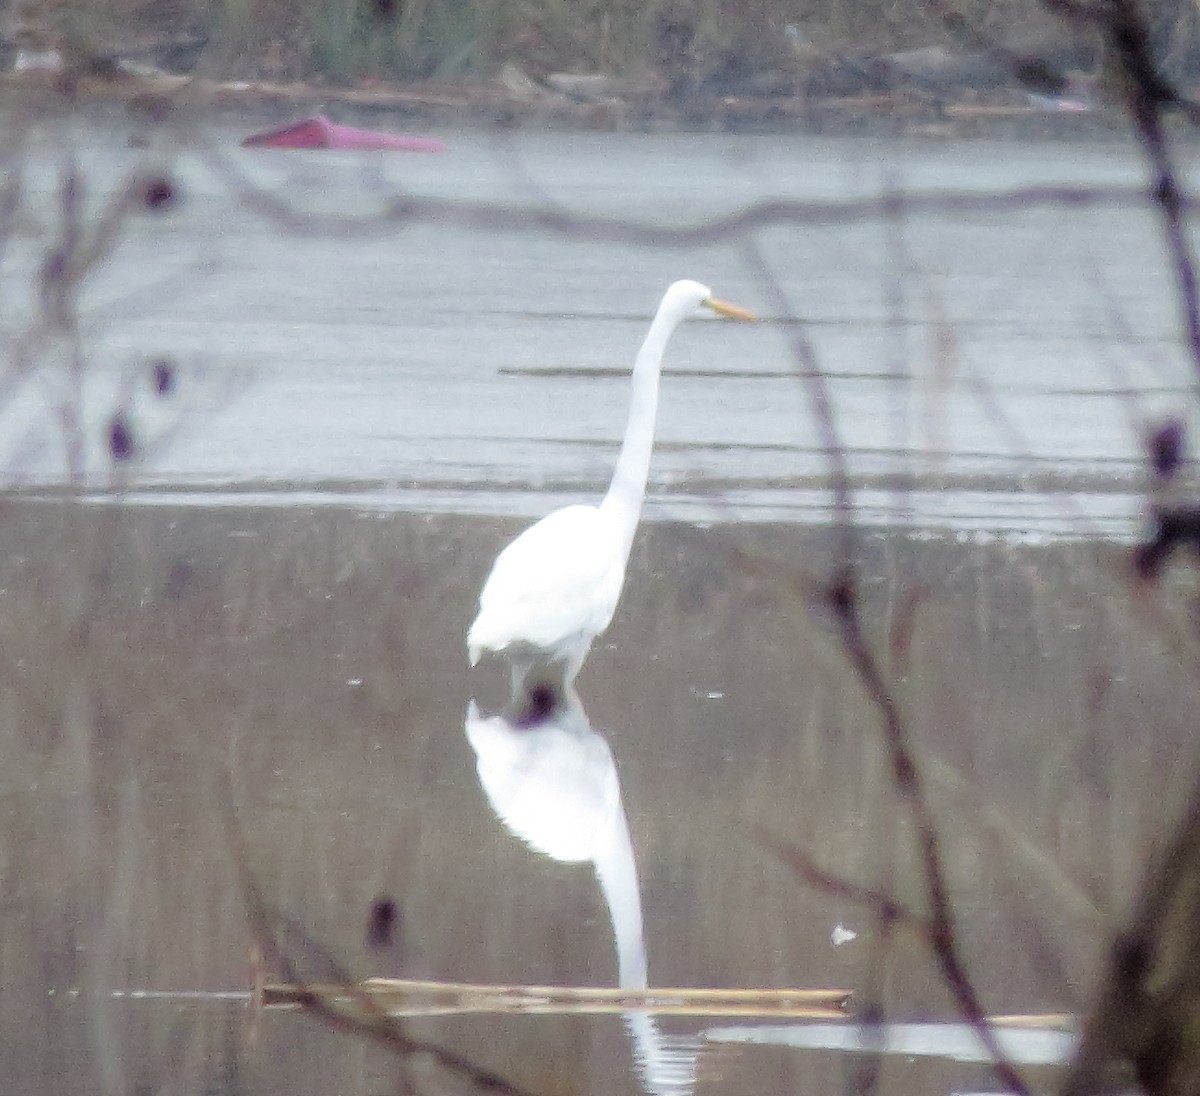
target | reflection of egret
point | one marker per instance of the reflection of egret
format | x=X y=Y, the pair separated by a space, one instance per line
x=555 y=588
x=552 y=781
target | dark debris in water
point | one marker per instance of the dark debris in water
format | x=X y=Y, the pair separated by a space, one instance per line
x=382 y=923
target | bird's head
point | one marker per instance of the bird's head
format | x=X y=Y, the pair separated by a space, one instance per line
x=685 y=297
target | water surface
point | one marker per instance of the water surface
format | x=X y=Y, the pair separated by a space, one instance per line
x=998 y=364
x=261 y=614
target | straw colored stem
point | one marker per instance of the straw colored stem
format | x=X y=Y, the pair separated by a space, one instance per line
x=402 y=997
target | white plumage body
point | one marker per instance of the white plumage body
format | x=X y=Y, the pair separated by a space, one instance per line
x=552 y=609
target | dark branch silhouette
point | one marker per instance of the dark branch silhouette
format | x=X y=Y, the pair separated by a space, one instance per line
x=272 y=932
x=841 y=598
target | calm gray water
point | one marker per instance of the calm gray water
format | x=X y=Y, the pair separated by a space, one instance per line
x=997 y=364
x=358 y=423
x=306 y=667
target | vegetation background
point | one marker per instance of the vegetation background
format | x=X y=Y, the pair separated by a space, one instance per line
x=768 y=45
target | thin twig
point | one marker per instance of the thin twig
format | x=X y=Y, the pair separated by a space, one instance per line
x=842 y=599
x=485 y=216
x=808 y=368
x=943 y=937
x=887 y=907
x=368 y=1020
x=1146 y=95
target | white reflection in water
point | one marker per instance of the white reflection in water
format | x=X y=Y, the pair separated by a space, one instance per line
x=552 y=781
x=959 y=1042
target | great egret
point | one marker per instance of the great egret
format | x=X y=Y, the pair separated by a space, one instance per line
x=555 y=588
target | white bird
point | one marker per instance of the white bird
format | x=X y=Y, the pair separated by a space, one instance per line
x=556 y=587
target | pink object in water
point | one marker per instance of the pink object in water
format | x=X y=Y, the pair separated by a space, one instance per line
x=320 y=132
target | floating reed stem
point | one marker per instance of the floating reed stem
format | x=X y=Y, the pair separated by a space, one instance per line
x=404 y=997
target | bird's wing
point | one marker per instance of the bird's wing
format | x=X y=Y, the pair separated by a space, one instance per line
x=558 y=579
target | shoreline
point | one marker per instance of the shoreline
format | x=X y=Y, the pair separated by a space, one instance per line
x=1001 y=114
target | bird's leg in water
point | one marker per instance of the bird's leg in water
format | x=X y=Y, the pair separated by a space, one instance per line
x=527 y=673
x=518 y=670
x=538 y=703
x=537 y=690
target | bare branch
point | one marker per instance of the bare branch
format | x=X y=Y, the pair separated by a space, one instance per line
x=808 y=369
x=368 y=1020
x=841 y=597
x=404 y=210
x=888 y=908
x=1146 y=94
x=1148 y=1007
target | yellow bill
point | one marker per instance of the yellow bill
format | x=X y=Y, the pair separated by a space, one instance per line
x=724 y=308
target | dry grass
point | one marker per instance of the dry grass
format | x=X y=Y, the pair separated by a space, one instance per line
x=682 y=42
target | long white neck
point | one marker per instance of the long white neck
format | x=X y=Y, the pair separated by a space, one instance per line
x=623 y=502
